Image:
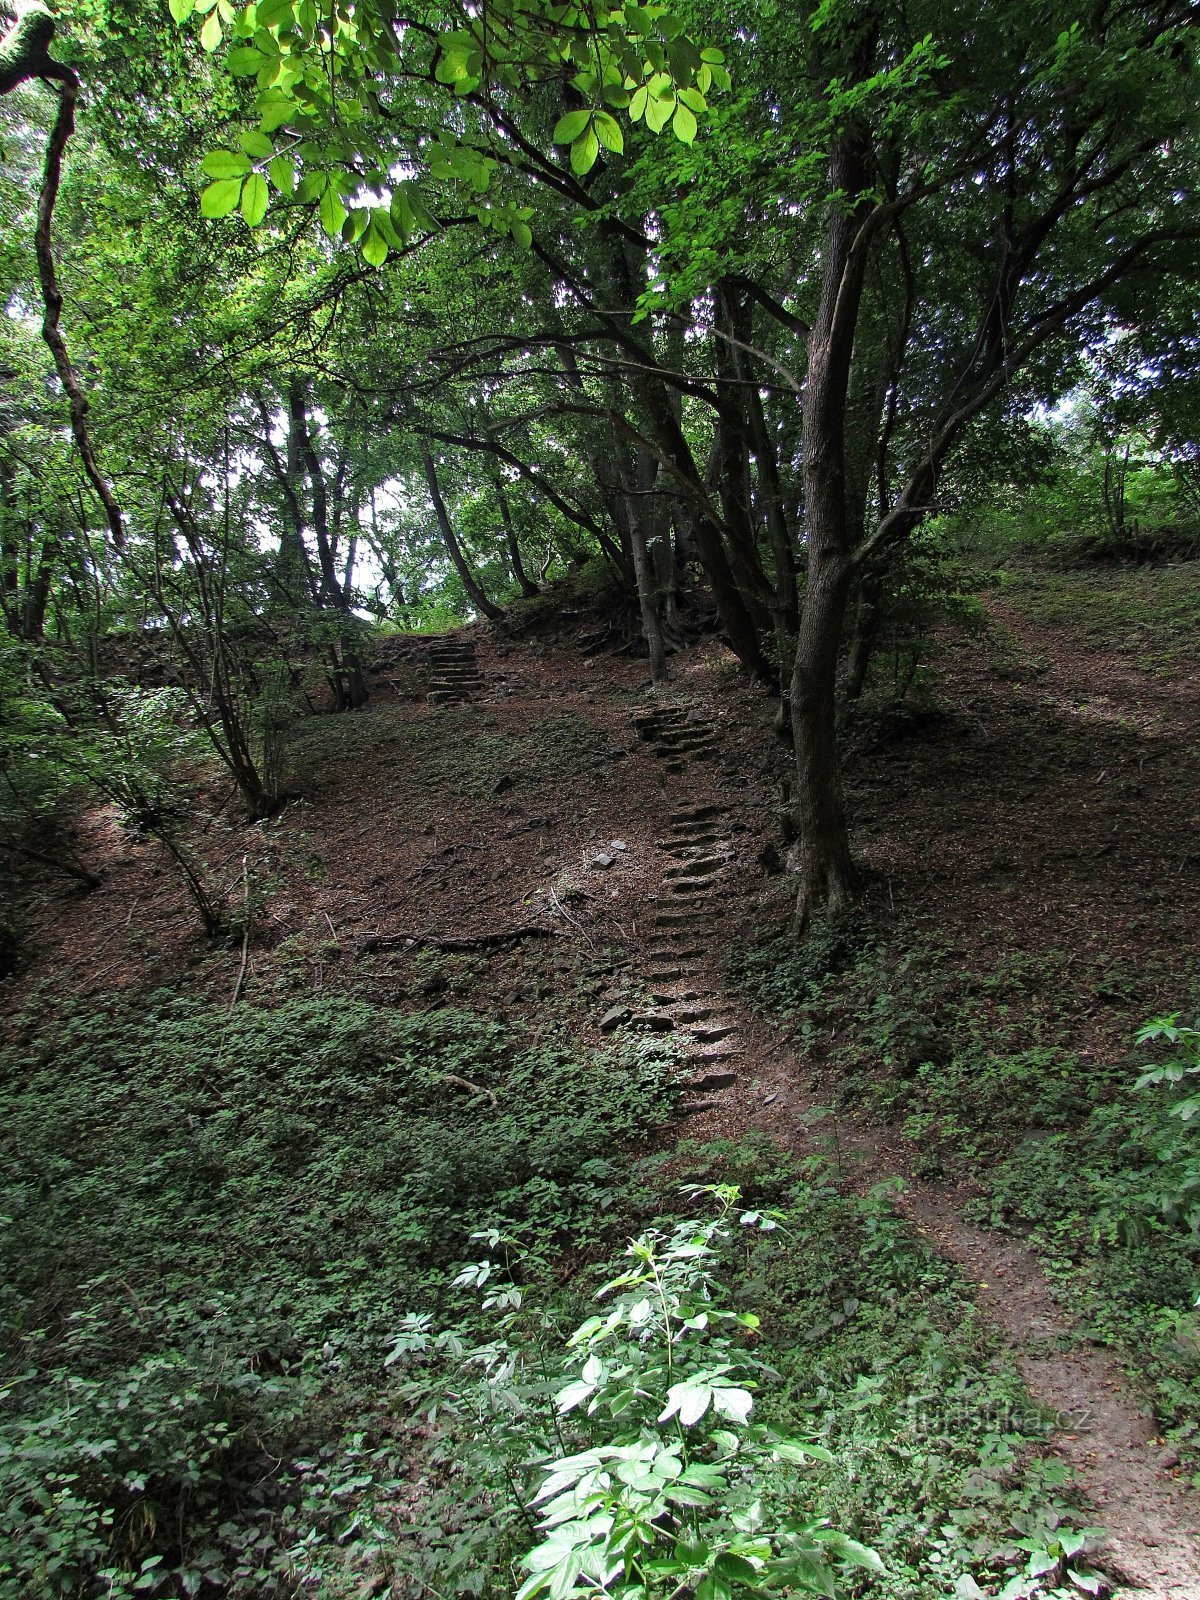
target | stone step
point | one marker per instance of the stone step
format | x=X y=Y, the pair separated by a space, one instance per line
x=675 y=997
x=714 y=1033
x=697 y=867
x=715 y=1052
x=654 y=1021
x=712 y=1081
x=695 y=1108
x=687 y=1014
x=700 y=812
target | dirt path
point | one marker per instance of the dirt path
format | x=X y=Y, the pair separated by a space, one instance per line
x=1152 y=1522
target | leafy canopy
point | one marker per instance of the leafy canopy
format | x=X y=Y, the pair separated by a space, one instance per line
x=347 y=97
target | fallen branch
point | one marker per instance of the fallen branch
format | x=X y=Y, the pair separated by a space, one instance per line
x=465 y=1083
x=460 y=941
x=68 y=868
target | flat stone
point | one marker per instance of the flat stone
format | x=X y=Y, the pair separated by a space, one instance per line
x=614 y=1017
x=712 y=1081
x=656 y=1021
x=716 y=1052
x=714 y=1035
x=602 y=861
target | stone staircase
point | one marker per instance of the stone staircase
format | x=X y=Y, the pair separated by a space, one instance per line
x=687 y=1001
x=676 y=735
x=454 y=675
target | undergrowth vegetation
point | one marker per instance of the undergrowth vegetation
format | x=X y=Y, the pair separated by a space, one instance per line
x=287 y=1296
x=212 y=1225
x=983 y=1071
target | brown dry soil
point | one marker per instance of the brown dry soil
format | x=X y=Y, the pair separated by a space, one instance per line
x=1049 y=803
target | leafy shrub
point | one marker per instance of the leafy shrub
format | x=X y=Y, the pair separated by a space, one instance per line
x=210 y=1222
x=656 y=1480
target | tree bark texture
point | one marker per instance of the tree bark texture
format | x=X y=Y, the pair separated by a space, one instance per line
x=474 y=591
x=25 y=54
x=826 y=872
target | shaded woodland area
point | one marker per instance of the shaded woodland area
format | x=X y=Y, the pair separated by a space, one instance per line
x=598 y=800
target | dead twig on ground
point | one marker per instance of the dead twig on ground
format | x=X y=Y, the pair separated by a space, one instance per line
x=465 y=1083
x=574 y=921
x=460 y=941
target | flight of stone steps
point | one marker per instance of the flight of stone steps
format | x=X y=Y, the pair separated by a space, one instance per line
x=686 y=999
x=676 y=734
x=453 y=672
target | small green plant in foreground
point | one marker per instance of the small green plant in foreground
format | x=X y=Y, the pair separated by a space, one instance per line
x=1176 y=1144
x=658 y=1481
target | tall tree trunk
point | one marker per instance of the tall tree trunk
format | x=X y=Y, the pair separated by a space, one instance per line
x=823 y=849
x=25 y=54
x=636 y=500
x=474 y=592
x=527 y=586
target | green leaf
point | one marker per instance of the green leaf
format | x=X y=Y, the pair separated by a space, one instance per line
x=806 y=1570
x=658 y=112
x=257 y=146
x=584 y=152
x=245 y=61
x=255 y=199
x=374 y=247
x=568 y=128
x=181 y=10
x=210 y=33
x=274 y=113
x=608 y=130
x=220 y=198
x=735 y=1404
x=332 y=212
x=736 y=1569
x=847 y=1549
x=522 y=235
x=225 y=164
x=683 y=123
x=282 y=172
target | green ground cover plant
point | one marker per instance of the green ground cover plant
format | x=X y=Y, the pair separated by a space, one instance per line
x=1150 y=615
x=982 y=1071
x=212 y=1222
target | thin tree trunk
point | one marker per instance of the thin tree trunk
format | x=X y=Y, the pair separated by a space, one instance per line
x=642 y=569
x=474 y=592
x=526 y=583
x=25 y=54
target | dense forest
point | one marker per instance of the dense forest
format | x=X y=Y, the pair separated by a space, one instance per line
x=599 y=799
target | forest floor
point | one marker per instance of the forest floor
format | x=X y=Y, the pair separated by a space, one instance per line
x=560 y=851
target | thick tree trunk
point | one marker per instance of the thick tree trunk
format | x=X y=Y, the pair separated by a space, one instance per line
x=823 y=850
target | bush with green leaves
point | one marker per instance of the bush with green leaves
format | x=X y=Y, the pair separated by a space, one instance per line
x=656 y=1480
x=210 y=1223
